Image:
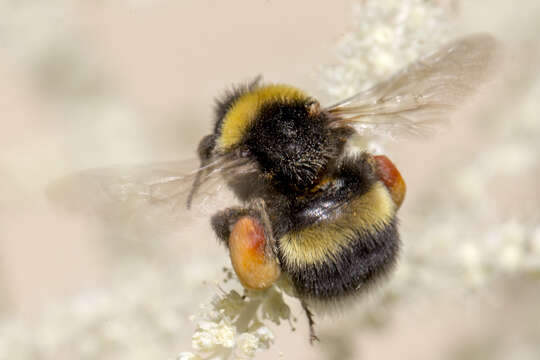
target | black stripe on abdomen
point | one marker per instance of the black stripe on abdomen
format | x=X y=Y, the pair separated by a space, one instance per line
x=366 y=258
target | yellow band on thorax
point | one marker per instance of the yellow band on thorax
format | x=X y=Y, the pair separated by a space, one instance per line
x=244 y=111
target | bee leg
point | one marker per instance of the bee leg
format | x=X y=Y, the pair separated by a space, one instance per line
x=259 y=207
x=223 y=222
x=312 y=336
x=248 y=236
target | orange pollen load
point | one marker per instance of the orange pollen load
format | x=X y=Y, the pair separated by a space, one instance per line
x=390 y=176
x=247 y=244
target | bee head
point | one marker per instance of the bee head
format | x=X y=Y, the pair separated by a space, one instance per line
x=279 y=127
x=289 y=143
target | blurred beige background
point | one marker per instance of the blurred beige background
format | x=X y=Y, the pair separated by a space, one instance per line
x=162 y=64
x=90 y=84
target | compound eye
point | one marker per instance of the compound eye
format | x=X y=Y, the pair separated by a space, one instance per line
x=249 y=256
x=243 y=152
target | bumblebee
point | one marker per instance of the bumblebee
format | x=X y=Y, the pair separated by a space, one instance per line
x=312 y=213
x=328 y=219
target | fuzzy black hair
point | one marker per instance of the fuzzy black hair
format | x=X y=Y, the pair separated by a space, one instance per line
x=225 y=102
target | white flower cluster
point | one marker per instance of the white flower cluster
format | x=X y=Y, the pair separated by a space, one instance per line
x=231 y=326
x=386 y=36
x=142 y=318
x=460 y=237
x=483 y=237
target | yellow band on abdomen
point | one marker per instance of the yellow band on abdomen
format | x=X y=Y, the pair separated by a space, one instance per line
x=323 y=241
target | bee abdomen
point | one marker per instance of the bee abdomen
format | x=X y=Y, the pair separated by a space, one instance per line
x=367 y=258
x=343 y=256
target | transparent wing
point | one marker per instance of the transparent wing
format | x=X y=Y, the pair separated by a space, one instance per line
x=154 y=194
x=421 y=97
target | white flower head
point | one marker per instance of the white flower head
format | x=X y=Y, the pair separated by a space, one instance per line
x=229 y=326
x=248 y=344
x=386 y=36
x=188 y=356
